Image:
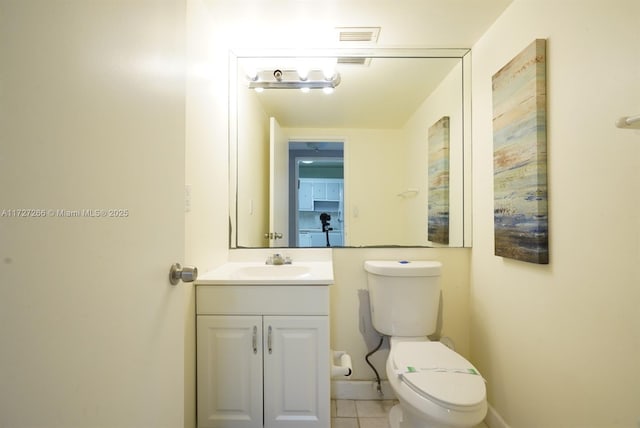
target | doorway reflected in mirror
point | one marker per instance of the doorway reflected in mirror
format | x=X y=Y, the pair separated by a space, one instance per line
x=317 y=188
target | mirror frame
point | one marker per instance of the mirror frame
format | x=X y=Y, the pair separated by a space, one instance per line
x=464 y=54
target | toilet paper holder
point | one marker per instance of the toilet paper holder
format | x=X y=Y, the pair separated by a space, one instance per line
x=343 y=366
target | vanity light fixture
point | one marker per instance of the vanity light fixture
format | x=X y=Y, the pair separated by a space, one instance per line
x=293 y=79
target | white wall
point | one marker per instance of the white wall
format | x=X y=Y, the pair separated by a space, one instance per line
x=559 y=344
x=206 y=132
x=444 y=101
x=253 y=181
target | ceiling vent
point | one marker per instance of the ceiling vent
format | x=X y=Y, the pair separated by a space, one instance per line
x=358 y=34
x=354 y=60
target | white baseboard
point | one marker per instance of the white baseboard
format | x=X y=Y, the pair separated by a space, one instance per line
x=494 y=420
x=360 y=390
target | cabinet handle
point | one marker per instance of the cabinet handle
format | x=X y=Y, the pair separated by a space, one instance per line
x=269 y=340
x=254 y=341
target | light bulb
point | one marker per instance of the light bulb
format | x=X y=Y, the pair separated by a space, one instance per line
x=327 y=90
x=303 y=73
x=329 y=68
x=305 y=90
x=251 y=73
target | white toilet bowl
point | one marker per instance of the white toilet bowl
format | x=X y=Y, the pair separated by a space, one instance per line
x=436 y=387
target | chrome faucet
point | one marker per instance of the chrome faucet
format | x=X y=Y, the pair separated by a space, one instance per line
x=278 y=259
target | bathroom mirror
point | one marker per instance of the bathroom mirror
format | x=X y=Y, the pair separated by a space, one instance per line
x=349 y=168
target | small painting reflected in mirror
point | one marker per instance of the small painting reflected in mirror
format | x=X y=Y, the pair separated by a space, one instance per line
x=438 y=202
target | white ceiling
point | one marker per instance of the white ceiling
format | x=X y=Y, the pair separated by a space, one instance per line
x=311 y=23
x=305 y=24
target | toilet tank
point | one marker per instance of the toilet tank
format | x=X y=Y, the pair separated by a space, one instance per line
x=404 y=296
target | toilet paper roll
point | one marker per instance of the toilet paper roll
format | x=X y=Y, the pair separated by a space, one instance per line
x=343 y=366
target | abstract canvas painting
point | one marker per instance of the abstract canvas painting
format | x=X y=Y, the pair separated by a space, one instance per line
x=438 y=204
x=520 y=157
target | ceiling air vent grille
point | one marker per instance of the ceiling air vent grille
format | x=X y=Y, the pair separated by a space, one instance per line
x=358 y=34
x=352 y=60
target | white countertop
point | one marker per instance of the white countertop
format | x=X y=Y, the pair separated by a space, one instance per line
x=247 y=267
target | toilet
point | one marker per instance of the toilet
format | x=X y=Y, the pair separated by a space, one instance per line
x=435 y=386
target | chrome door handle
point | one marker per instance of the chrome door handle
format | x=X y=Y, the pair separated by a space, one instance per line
x=184 y=273
x=269 y=341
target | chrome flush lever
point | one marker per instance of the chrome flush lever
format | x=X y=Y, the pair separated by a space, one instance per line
x=186 y=273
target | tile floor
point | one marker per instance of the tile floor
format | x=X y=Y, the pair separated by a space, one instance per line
x=360 y=413
x=363 y=413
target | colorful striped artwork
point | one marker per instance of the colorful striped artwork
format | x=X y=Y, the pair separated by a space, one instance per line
x=520 y=157
x=438 y=211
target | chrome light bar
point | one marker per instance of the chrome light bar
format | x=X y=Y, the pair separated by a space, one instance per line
x=290 y=79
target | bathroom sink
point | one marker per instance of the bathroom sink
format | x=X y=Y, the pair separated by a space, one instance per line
x=273 y=271
x=256 y=273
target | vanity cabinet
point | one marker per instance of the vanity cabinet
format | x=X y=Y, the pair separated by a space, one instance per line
x=263 y=356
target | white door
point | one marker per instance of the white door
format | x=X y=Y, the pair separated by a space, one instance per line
x=229 y=371
x=278 y=185
x=296 y=372
x=91 y=214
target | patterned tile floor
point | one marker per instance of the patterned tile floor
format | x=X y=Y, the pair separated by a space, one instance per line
x=363 y=413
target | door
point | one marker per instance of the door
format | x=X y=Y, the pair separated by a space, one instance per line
x=319 y=165
x=296 y=372
x=92 y=214
x=278 y=185
x=229 y=371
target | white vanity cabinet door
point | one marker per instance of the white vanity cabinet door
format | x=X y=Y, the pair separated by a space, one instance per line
x=296 y=372
x=229 y=361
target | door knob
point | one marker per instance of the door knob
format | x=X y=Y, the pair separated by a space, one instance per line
x=273 y=235
x=184 y=273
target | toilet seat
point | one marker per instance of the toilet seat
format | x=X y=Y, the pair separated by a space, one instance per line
x=439 y=374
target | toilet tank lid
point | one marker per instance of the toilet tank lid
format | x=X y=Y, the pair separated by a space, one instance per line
x=403 y=267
